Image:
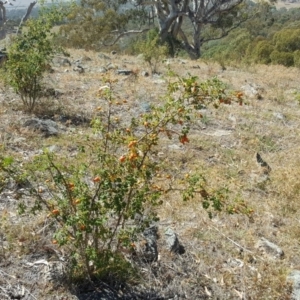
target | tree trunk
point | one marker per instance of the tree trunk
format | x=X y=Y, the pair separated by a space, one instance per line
x=2 y=21
x=2 y=14
x=26 y=16
x=193 y=50
x=201 y=13
x=197 y=41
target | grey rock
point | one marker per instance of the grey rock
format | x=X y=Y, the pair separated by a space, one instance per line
x=51 y=92
x=145 y=74
x=53 y=148
x=173 y=242
x=219 y=132
x=111 y=66
x=103 y=56
x=252 y=90
x=279 y=115
x=156 y=76
x=18 y=140
x=79 y=69
x=61 y=61
x=48 y=127
x=150 y=252
x=176 y=147
x=85 y=58
x=124 y=72
x=102 y=70
x=145 y=107
x=269 y=249
x=294 y=277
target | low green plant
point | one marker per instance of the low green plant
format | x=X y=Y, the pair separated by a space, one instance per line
x=282 y=58
x=96 y=196
x=209 y=92
x=297 y=96
x=29 y=57
x=152 y=50
x=262 y=51
x=297 y=58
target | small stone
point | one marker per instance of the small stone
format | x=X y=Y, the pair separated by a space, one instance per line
x=173 y=243
x=85 y=58
x=103 y=56
x=270 y=249
x=252 y=90
x=145 y=73
x=102 y=70
x=48 y=127
x=61 y=61
x=145 y=107
x=176 y=147
x=111 y=66
x=79 y=69
x=53 y=148
x=294 y=277
x=124 y=72
x=279 y=116
x=150 y=252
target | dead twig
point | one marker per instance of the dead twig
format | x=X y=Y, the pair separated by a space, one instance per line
x=232 y=241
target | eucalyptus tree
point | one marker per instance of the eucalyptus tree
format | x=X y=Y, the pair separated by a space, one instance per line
x=220 y=15
x=188 y=22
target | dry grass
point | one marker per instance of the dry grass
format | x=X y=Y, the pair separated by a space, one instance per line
x=221 y=258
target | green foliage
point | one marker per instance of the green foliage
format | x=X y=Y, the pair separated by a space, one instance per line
x=210 y=92
x=272 y=36
x=152 y=49
x=287 y=40
x=222 y=51
x=262 y=51
x=282 y=58
x=29 y=56
x=95 y=196
x=93 y=24
x=297 y=58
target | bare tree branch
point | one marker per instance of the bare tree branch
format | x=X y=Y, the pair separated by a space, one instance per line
x=2 y=14
x=26 y=16
x=3 y=20
x=226 y=32
x=170 y=13
x=126 y=33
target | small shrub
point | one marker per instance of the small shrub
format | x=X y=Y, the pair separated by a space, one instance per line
x=297 y=58
x=262 y=51
x=29 y=58
x=282 y=58
x=287 y=40
x=95 y=196
x=151 y=48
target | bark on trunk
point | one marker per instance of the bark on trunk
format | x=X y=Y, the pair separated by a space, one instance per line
x=26 y=16
x=2 y=14
x=2 y=21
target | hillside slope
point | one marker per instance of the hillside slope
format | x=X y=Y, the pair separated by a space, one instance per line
x=224 y=258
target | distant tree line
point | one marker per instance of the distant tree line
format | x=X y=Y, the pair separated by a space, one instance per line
x=269 y=38
x=241 y=31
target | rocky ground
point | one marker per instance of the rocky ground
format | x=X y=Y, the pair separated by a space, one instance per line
x=226 y=257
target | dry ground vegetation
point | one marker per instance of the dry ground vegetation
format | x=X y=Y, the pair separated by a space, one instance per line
x=221 y=260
